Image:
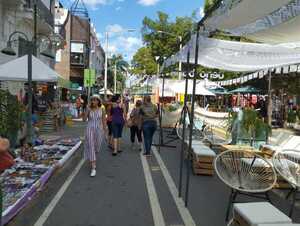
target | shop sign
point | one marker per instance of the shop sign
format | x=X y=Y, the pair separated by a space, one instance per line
x=77 y=47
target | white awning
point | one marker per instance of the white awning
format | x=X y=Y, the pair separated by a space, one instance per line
x=17 y=70
x=236 y=56
x=259 y=20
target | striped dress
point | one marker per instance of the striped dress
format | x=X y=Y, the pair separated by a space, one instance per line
x=94 y=135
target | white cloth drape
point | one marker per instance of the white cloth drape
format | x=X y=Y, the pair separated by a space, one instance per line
x=275 y=21
x=236 y=56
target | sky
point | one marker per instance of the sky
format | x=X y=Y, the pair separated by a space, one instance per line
x=117 y=16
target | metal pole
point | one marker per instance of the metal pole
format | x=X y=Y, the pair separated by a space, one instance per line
x=185 y=109
x=192 y=122
x=270 y=98
x=115 y=79
x=106 y=65
x=34 y=51
x=29 y=118
x=180 y=62
x=160 y=115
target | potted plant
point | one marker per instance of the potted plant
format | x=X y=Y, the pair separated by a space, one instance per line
x=10 y=116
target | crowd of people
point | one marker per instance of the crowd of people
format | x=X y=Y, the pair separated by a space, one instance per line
x=108 y=119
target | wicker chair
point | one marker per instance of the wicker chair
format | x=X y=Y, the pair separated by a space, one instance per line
x=246 y=173
x=287 y=164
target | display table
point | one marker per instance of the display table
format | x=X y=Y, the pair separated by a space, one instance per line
x=26 y=178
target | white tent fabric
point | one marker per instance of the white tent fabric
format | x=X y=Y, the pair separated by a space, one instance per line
x=259 y=20
x=236 y=56
x=179 y=87
x=16 y=70
x=108 y=92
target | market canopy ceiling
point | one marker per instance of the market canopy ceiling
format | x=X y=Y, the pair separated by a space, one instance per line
x=275 y=21
x=236 y=56
x=17 y=70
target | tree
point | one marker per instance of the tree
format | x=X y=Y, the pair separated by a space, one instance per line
x=208 y=5
x=122 y=67
x=144 y=62
x=160 y=44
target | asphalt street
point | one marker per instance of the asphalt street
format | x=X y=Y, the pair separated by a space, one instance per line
x=129 y=190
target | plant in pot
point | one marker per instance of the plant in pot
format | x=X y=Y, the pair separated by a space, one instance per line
x=10 y=116
x=255 y=127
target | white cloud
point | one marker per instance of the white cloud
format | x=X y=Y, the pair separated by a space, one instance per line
x=114 y=28
x=94 y=3
x=127 y=46
x=148 y=2
x=118 y=8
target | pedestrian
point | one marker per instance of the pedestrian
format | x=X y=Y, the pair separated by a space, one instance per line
x=118 y=114
x=149 y=112
x=136 y=125
x=109 y=122
x=78 y=106
x=95 y=131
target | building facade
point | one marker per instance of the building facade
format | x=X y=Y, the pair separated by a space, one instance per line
x=18 y=15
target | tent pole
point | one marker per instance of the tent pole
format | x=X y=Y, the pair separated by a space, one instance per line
x=161 y=134
x=29 y=95
x=270 y=98
x=185 y=109
x=192 y=120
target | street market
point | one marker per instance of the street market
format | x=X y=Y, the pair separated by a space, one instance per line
x=155 y=115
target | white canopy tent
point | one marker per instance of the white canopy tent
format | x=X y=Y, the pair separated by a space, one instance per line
x=108 y=92
x=17 y=70
x=178 y=86
x=259 y=20
x=236 y=56
x=200 y=89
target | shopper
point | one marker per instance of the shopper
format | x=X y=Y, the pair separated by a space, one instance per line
x=118 y=113
x=136 y=125
x=6 y=159
x=95 y=131
x=78 y=106
x=109 y=122
x=149 y=114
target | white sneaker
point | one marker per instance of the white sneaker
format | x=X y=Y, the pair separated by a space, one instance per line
x=93 y=172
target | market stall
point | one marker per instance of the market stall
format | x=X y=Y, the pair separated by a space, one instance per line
x=34 y=166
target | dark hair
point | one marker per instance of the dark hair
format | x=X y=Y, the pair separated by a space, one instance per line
x=115 y=98
x=99 y=102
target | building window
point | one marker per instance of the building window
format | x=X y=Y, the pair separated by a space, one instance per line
x=78 y=53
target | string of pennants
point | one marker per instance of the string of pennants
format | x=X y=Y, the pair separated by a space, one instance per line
x=259 y=75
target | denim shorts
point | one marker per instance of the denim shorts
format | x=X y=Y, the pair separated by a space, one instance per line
x=117 y=129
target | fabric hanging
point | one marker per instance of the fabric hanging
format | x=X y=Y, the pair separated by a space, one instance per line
x=236 y=56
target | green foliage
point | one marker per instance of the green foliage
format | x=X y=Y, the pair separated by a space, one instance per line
x=208 y=5
x=144 y=62
x=122 y=66
x=160 y=44
x=10 y=116
x=251 y=127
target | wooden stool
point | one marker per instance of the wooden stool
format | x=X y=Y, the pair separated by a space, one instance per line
x=203 y=159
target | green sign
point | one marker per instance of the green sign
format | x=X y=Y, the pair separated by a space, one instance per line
x=89 y=77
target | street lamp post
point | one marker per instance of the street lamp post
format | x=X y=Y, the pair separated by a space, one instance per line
x=179 y=38
x=106 y=56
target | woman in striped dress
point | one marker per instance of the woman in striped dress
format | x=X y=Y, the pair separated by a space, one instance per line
x=95 y=131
